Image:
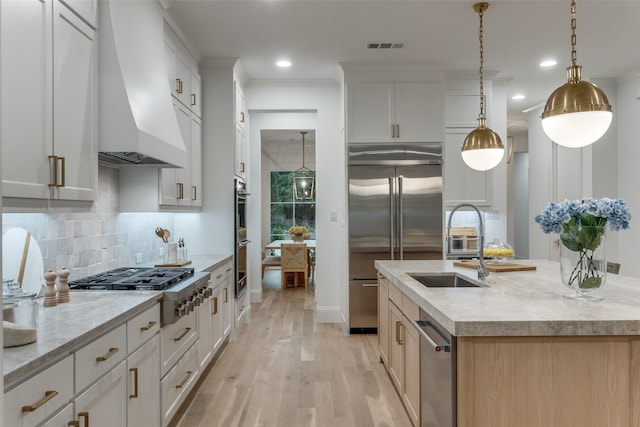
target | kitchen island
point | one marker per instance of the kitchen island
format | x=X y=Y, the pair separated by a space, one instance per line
x=527 y=356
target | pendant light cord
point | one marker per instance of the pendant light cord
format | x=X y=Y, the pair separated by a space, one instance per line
x=574 y=56
x=481 y=37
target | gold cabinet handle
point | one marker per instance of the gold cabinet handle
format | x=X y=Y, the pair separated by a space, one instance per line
x=182 y=335
x=228 y=269
x=48 y=395
x=397 y=131
x=194 y=193
x=398 y=340
x=112 y=351
x=84 y=415
x=193 y=99
x=180 y=190
x=62 y=173
x=135 y=383
x=218 y=276
x=53 y=161
x=215 y=306
x=150 y=325
x=179 y=85
x=184 y=381
x=241 y=116
x=226 y=295
x=73 y=424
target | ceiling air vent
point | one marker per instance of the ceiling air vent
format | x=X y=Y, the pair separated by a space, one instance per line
x=385 y=45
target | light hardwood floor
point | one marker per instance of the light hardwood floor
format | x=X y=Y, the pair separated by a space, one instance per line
x=286 y=370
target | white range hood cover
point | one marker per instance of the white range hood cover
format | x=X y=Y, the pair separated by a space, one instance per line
x=137 y=120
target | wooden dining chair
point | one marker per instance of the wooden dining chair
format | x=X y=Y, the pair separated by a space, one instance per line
x=294 y=260
x=270 y=261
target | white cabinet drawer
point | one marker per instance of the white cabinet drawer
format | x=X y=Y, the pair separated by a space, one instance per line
x=97 y=358
x=175 y=339
x=220 y=274
x=40 y=396
x=142 y=327
x=175 y=386
x=104 y=404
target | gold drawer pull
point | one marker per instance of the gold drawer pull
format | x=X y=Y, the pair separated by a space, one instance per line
x=218 y=276
x=73 y=424
x=135 y=383
x=228 y=269
x=215 y=306
x=112 y=351
x=84 y=415
x=193 y=99
x=184 y=381
x=226 y=294
x=182 y=335
x=48 y=395
x=149 y=326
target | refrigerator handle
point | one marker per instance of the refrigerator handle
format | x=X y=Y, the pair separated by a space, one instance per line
x=400 y=219
x=392 y=234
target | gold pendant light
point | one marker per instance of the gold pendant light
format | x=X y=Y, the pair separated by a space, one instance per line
x=577 y=113
x=482 y=149
x=303 y=179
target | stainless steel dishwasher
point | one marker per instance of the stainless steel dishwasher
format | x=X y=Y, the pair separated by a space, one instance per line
x=438 y=374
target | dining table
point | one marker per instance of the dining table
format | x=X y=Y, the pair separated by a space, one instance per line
x=311 y=244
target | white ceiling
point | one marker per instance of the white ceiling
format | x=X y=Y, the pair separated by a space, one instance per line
x=284 y=148
x=316 y=35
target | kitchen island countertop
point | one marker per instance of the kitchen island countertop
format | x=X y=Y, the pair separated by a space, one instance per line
x=524 y=303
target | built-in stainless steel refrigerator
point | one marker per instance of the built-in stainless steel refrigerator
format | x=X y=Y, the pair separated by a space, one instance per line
x=395 y=213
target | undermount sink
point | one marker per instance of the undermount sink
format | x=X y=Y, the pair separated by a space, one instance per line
x=443 y=280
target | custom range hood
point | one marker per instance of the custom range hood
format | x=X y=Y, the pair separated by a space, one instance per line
x=137 y=120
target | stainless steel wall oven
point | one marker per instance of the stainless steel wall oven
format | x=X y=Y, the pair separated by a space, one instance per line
x=241 y=241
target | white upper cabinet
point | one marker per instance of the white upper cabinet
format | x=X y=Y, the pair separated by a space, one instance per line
x=183 y=186
x=49 y=102
x=183 y=74
x=239 y=105
x=394 y=112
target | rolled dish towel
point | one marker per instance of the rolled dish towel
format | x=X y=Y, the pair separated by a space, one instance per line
x=15 y=335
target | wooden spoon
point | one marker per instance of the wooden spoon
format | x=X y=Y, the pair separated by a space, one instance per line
x=166 y=235
x=160 y=232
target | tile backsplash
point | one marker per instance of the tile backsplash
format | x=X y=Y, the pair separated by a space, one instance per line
x=91 y=241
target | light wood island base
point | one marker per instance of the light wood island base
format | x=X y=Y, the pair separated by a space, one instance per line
x=549 y=381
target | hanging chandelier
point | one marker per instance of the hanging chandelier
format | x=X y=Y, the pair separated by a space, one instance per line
x=482 y=149
x=577 y=113
x=303 y=179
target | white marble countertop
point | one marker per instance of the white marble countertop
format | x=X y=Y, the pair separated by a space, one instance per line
x=66 y=327
x=525 y=303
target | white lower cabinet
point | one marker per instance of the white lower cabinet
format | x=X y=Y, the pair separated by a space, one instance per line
x=39 y=397
x=97 y=358
x=143 y=402
x=175 y=339
x=104 y=404
x=175 y=386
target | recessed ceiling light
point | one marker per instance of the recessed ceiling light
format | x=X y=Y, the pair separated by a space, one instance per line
x=517 y=96
x=548 y=63
x=283 y=63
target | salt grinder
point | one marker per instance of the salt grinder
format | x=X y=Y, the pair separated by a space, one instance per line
x=63 y=285
x=50 y=291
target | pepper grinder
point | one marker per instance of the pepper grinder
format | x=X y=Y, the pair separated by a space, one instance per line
x=63 y=286
x=50 y=291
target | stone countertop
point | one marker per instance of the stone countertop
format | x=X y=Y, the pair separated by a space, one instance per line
x=524 y=303
x=66 y=327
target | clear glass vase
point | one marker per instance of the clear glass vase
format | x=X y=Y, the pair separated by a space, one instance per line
x=584 y=271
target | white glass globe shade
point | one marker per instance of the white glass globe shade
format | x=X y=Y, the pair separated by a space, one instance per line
x=483 y=159
x=576 y=130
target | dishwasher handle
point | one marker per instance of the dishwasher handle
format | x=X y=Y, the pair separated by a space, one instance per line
x=421 y=325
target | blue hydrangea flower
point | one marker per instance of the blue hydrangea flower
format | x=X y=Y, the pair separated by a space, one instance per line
x=614 y=211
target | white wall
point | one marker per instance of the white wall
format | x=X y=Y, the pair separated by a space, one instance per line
x=323 y=98
x=626 y=118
